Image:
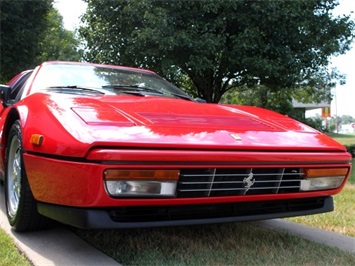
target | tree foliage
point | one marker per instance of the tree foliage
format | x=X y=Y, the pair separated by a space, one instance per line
x=32 y=32
x=21 y=26
x=220 y=45
x=58 y=43
x=347 y=119
x=317 y=122
x=261 y=95
x=336 y=122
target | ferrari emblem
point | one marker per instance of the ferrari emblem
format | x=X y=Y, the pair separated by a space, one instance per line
x=249 y=181
x=236 y=137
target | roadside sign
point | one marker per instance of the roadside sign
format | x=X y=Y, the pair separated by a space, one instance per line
x=326 y=112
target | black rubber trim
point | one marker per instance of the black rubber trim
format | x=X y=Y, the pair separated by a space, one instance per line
x=105 y=218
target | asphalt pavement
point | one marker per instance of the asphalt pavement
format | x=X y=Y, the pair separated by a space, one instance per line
x=59 y=246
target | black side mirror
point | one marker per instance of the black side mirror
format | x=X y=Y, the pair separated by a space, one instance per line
x=5 y=95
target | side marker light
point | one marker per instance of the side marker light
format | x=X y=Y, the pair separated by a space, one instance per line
x=36 y=139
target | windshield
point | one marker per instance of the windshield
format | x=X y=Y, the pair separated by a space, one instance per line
x=103 y=79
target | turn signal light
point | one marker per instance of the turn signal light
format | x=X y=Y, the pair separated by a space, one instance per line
x=141 y=183
x=123 y=174
x=323 y=178
x=36 y=139
x=325 y=172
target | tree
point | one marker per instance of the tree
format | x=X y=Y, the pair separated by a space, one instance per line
x=32 y=32
x=220 y=45
x=21 y=25
x=57 y=43
x=316 y=122
x=347 y=119
x=260 y=95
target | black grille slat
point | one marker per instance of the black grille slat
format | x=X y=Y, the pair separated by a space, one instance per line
x=236 y=181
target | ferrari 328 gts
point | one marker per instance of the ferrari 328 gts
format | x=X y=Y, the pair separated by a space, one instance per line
x=101 y=146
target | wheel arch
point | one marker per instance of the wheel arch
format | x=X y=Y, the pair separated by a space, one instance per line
x=11 y=117
x=21 y=206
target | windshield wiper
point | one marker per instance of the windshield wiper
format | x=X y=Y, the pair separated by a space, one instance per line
x=184 y=97
x=135 y=88
x=75 y=89
x=138 y=89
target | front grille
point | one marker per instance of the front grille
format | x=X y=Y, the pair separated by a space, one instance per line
x=213 y=182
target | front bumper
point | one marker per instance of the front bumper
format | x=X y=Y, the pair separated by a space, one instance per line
x=80 y=182
x=139 y=217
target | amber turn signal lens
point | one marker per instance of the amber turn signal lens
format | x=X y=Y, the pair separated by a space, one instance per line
x=322 y=172
x=129 y=174
x=36 y=139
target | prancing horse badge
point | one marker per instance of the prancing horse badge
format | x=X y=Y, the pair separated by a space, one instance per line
x=236 y=137
x=248 y=181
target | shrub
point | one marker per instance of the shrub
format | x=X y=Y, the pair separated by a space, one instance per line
x=351 y=149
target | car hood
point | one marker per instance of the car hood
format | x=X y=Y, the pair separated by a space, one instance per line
x=166 y=122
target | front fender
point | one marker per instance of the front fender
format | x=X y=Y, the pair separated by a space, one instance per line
x=39 y=115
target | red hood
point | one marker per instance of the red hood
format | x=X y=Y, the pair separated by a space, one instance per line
x=165 y=122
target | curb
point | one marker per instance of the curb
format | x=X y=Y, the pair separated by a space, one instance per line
x=328 y=238
x=57 y=246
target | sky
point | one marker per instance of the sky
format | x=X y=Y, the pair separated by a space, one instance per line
x=71 y=10
x=344 y=95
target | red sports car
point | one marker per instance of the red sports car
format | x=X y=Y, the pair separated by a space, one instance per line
x=101 y=146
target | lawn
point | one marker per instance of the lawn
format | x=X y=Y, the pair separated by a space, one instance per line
x=351 y=179
x=341 y=220
x=345 y=139
x=218 y=244
x=9 y=254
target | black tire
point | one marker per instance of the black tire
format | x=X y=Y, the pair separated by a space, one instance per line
x=21 y=207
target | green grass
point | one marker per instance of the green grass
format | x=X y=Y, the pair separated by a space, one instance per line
x=219 y=244
x=351 y=179
x=9 y=254
x=341 y=220
x=345 y=139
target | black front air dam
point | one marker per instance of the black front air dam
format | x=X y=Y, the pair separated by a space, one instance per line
x=156 y=216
